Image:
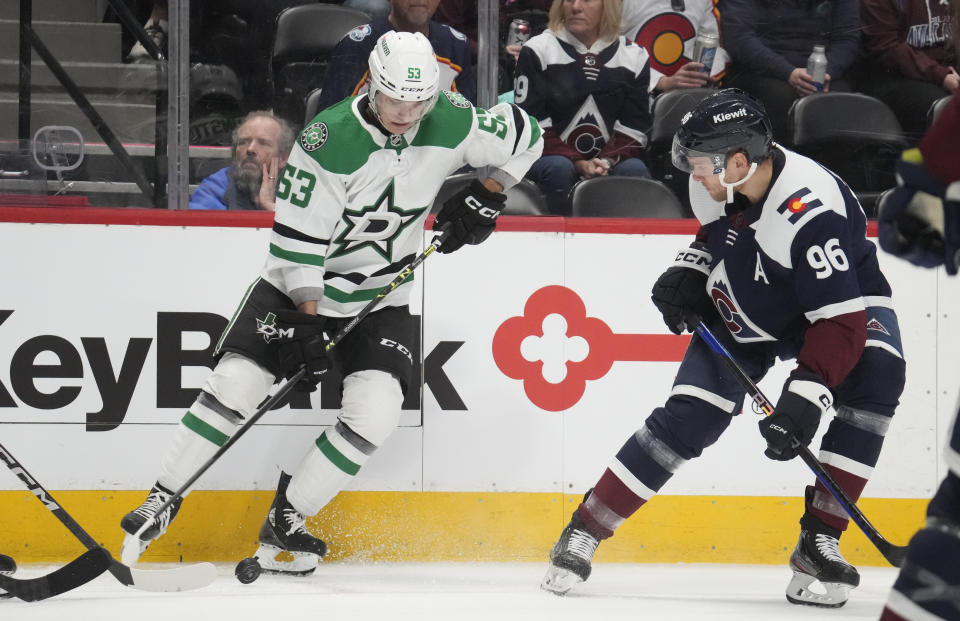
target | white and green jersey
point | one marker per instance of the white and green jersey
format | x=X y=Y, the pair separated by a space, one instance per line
x=352 y=201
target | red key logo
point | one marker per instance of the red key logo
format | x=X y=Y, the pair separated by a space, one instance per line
x=589 y=352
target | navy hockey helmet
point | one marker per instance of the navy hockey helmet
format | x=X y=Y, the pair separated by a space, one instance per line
x=721 y=124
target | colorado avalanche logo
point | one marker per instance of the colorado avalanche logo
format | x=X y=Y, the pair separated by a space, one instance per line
x=360 y=32
x=586 y=132
x=663 y=36
x=739 y=325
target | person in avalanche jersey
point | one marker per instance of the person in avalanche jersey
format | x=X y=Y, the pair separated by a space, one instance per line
x=785 y=270
x=351 y=205
x=920 y=222
x=668 y=30
x=347 y=73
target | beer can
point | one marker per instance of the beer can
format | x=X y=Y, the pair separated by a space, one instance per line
x=519 y=32
x=705 y=50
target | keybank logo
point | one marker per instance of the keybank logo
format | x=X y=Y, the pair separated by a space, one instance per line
x=555 y=348
x=726 y=116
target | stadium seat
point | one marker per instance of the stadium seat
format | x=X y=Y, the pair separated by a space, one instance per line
x=304 y=38
x=668 y=110
x=856 y=136
x=523 y=199
x=937 y=108
x=312 y=105
x=625 y=197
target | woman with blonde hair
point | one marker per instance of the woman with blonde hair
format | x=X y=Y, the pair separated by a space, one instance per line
x=587 y=86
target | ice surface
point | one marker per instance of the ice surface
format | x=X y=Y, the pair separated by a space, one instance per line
x=456 y=591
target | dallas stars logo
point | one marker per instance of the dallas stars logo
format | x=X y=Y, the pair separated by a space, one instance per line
x=376 y=226
x=268 y=327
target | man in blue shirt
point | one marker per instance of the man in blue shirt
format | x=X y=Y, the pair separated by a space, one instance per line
x=260 y=148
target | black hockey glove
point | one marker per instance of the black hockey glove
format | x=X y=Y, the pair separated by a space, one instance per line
x=680 y=294
x=302 y=343
x=795 y=420
x=919 y=220
x=470 y=216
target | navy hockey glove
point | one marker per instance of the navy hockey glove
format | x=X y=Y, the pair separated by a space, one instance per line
x=680 y=294
x=470 y=216
x=919 y=220
x=795 y=420
x=302 y=343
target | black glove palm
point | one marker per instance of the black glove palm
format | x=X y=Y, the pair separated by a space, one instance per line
x=795 y=420
x=469 y=216
x=680 y=294
x=303 y=343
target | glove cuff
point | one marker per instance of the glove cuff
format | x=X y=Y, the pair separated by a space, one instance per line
x=810 y=387
x=477 y=187
x=694 y=257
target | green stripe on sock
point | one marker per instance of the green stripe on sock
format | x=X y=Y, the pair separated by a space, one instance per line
x=204 y=430
x=339 y=459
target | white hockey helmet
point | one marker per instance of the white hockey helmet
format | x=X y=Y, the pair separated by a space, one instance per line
x=404 y=67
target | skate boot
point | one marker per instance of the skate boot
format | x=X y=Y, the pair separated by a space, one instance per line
x=285 y=531
x=132 y=547
x=7 y=567
x=570 y=558
x=817 y=558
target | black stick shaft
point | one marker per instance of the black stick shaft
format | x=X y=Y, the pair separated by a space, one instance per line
x=287 y=386
x=893 y=553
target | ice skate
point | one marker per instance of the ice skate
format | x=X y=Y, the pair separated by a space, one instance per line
x=132 y=547
x=817 y=558
x=570 y=558
x=284 y=532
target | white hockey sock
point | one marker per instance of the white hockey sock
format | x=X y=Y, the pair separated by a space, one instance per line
x=328 y=466
x=200 y=433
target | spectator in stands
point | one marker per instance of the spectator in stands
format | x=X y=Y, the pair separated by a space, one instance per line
x=259 y=153
x=155 y=26
x=347 y=73
x=769 y=42
x=668 y=30
x=587 y=86
x=909 y=60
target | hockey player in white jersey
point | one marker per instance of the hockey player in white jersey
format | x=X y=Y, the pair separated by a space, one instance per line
x=784 y=270
x=351 y=204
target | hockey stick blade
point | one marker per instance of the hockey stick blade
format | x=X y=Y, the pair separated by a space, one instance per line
x=182 y=578
x=288 y=386
x=893 y=553
x=77 y=572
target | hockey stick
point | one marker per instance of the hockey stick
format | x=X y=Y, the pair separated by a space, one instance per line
x=287 y=386
x=176 y=579
x=893 y=553
x=79 y=571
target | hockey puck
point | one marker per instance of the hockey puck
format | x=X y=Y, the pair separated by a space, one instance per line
x=248 y=570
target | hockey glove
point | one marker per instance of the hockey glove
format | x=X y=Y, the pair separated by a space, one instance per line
x=470 y=216
x=919 y=220
x=302 y=343
x=795 y=420
x=680 y=294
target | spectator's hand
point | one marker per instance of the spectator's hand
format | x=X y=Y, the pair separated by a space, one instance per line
x=802 y=82
x=266 y=199
x=687 y=76
x=952 y=80
x=826 y=82
x=514 y=50
x=596 y=167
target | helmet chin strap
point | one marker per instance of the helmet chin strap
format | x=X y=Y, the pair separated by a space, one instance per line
x=730 y=186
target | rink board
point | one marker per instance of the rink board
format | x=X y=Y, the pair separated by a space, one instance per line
x=482 y=460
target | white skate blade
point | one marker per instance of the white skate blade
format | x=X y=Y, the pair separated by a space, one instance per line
x=799 y=592
x=303 y=563
x=558 y=580
x=132 y=549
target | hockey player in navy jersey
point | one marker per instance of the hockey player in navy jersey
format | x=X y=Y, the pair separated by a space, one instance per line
x=920 y=222
x=783 y=270
x=351 y=204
